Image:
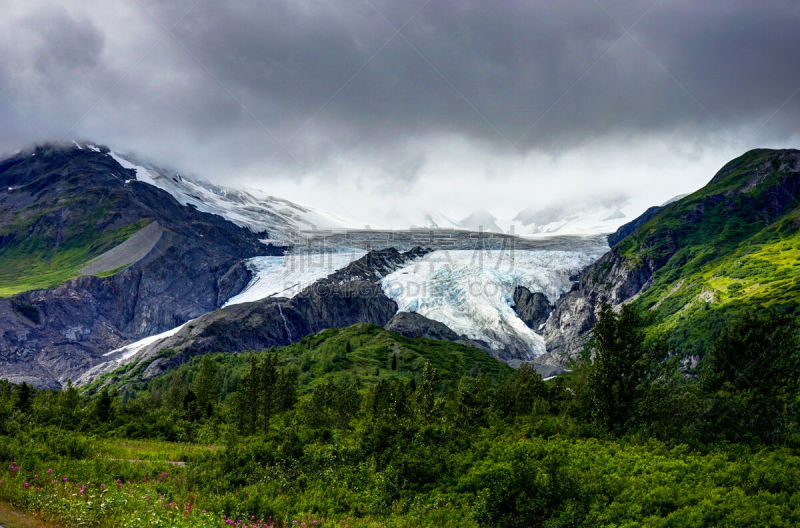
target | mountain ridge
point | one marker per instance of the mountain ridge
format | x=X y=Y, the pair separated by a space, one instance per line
x=730 y=245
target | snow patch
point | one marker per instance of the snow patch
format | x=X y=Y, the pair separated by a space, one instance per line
x=129 y=350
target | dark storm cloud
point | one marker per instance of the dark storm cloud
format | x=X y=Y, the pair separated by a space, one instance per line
x=384 y=90
x=522 y=73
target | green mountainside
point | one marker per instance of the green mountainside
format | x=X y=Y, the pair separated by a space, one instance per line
x=732 y=246
x=362 y=353
x=59 y=210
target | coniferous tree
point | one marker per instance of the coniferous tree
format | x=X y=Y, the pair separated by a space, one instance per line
x=249 y=391
x=751 y=375
x=176 y=391
x=190 y=408
x=103 y=406
x=617 y=367
x=268 y=378
x=349 y=405
x=519 y=394
x=69 y=403
x=286 y=393
x=23 y=404
x=206 y=386
x=425 y=394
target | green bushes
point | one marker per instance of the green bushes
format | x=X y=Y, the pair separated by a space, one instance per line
x=624 y=439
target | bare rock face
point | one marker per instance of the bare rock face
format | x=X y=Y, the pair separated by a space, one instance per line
x=532 y=308
x=412 y=324
x=612 y=279
x=620 y=234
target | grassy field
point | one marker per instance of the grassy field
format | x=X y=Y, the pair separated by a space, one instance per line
x=35 y=263
x=626 y=485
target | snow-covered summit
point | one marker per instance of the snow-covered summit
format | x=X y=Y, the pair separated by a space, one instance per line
x=283 y=220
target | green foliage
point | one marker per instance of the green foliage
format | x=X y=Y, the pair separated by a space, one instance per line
x=617 y=367
x=36 y=261
x=531 y=484
x=522 y=393
x=206 y=386
x=753 y=374
x=420 y=446
x=23 y=403
x=325 y=357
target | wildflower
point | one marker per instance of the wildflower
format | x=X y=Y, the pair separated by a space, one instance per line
x=50 y=471
x=64 y=479
x=26 y=484
x=102 y=485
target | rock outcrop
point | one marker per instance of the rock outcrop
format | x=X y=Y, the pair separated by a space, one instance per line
x=620 y=234
x=532 y=307
x=412 y=324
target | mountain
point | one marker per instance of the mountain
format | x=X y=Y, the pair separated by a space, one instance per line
x=568 y=219
x=731 y=246
x=283 y=220
x=107 y=258
x=93 y=258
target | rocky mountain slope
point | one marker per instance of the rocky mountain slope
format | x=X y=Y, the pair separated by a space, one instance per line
x=348 y=296
x=732 y=245
x=92 y=258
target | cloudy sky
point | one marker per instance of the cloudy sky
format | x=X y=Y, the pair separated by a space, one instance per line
x=382 y=110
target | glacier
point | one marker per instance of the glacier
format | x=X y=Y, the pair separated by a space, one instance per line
x=282 y=276
x=471 y=291
x=288 y=275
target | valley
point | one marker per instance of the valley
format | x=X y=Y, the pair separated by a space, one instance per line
x=224 y=360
